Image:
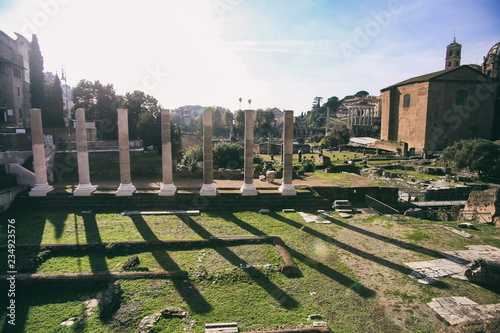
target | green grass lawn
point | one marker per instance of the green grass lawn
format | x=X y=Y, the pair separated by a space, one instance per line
x=352 y=272
x=341 y=179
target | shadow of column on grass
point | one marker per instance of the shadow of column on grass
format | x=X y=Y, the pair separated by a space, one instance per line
x=392 y=241
x=58 y=220
x=314 y=264
x=35 y=295
x=285 y=300
x=363 y=254
x=186 y=290
x=97 y=259
x=29 y=230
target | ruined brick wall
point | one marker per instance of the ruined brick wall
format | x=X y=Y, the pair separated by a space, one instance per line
x=483 y=206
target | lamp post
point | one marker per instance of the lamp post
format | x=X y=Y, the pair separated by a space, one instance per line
x=65 y=78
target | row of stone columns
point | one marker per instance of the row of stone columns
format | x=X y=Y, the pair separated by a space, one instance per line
x=126 y=187
x=361 y=116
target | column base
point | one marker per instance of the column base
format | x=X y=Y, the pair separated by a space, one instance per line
x=287 y=189
x=84 y=190
x=40 y=190
x=208 y=190
x=167 y=190
x=125 y=190
x=248 y=190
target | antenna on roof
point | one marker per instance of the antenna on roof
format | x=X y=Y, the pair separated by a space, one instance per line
x=454 y=38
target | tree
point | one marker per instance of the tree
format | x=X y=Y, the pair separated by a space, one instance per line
x=137 y=104
x=240 y=123
x=333 y=103
x=317 y=102
x=149 y=131
x=37 y=78
x=100 y=103
x=340 y=134
x=362 y=93
x=477 y=155
x=228 y=118
x=53 y=110
x=264 y=121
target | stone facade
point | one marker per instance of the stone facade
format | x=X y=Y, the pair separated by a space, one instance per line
x=14 y=81
x=432 y=111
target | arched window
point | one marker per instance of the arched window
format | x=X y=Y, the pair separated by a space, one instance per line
x=461 y=97
x=406 y=101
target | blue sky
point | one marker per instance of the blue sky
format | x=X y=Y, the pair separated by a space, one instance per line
x=279 y=53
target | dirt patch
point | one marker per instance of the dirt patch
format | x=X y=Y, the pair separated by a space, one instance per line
x=360 y=181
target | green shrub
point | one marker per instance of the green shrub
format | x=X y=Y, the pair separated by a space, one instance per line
x=258 y=160
x=228 y=155
x=308 y=166
x=193 y=157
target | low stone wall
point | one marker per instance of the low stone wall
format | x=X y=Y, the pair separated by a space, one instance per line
x=389 y=145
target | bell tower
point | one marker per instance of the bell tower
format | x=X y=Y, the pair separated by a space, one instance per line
x=453 y=55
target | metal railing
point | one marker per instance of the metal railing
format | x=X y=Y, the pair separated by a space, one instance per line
x=382 y=208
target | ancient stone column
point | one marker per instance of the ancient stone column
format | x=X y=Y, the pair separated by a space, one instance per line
x=327 y=131
x=167 y=188
x=41 y=187
x=287 y=188
x=84 y=188
x=126 y=188
x=208 y=188
x=248 y=187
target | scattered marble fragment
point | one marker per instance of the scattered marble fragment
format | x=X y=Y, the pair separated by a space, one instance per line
x=68 y=322
x=459 y=232
x=427 y=280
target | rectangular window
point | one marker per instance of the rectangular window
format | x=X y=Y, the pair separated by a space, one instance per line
x=406 y=101
x=2 y=69
x=461 y=97
x=18 y=91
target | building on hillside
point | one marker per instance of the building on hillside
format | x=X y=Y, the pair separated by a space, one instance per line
x=14 y=81
x=278 y=117
x=431 y=111
x=364 y=118
x=186 y=113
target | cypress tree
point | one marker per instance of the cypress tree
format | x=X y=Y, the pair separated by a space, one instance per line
x=54 y=105
x=37 y=78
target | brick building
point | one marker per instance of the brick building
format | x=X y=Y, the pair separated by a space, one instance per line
x=434 y=110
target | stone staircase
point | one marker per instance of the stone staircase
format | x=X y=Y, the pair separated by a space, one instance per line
x=6 y=180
